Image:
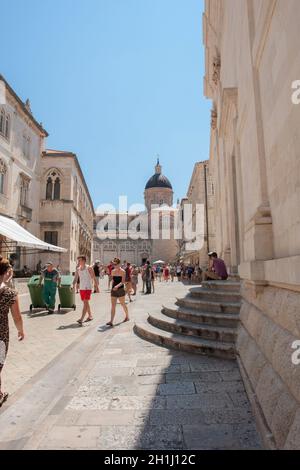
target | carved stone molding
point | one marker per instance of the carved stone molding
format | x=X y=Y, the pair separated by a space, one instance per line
x=3 y=167
x=214 y=119
x=216 y=70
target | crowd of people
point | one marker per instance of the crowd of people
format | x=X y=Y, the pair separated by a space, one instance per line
x=122 y=282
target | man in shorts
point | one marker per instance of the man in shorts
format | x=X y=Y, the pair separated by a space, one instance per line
x=87 y=281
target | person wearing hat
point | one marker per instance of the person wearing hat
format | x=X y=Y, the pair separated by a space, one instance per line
x=217 y=270
x=51 y=278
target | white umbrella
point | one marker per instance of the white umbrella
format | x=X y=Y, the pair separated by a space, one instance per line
x=159 y=262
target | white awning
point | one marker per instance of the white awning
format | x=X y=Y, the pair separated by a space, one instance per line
x=12 y=230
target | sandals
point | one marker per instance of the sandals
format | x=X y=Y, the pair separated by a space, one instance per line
x=3 y=398
x=88 y=319
x=109 y=323
x=79 y=322
x=126 y=319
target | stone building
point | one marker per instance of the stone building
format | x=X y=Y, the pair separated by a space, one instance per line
x=136 y=240
x=21 y=144
x=66 y=209
x=201 y=191
x=252 y=60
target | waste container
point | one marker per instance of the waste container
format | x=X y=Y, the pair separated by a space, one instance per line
x=66 y=295
x=36 y=293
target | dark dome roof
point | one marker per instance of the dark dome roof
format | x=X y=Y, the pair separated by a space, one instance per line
x=158 y=181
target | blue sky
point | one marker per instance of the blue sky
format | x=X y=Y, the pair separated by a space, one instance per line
x=115 y=81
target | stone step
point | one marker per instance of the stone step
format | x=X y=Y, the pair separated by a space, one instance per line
x=191 y=315
x=207 y=306
x=189 y=344
x=215 y=333
x=215 y=295
x=232 y=286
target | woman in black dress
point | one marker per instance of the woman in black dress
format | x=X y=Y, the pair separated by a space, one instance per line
x=118 y=291
x=8 y=300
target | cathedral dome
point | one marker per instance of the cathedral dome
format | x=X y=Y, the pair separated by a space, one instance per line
x=158 y=180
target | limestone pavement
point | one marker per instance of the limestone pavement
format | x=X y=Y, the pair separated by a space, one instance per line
x=109 y=389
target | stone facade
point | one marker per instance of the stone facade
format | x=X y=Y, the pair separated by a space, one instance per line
x=66 y=209
x=118 y=241
x=252 y=59
x=201 y=191
x=21 y=144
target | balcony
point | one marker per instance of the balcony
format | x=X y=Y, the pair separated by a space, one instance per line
x=25 y=213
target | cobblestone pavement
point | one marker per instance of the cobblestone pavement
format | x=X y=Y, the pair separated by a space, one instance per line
x=112 y=390
x=46 y=336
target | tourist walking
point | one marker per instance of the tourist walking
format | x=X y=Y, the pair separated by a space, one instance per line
x=198 y=273
x=143 y=270
x=172 y=272
x=50 y=278
x=118 y=291
x=87 y=280
x=9 y=277
x=178 y=272
x=166 y=273
x=152 y=280
x=96 y=268
x=216 y=269
x=190 y=272
x=109 y=269
x=148 y=276
x=8 y=301
x=134 y=278
x=128 y=281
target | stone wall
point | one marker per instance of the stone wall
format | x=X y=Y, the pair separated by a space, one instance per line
x=71 y=215
x=252 y=59
x=199 y=194
x=20 y=153
x=270 y=323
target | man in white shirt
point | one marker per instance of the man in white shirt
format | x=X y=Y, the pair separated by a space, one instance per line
x=87 y=280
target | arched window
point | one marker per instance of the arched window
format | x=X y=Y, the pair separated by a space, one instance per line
x=49 y=189
x=3 y=171
x=2 y=121
x=53 y=185
x=4 y=124
x=24 y=190
x=56 y=195
x=7 y=127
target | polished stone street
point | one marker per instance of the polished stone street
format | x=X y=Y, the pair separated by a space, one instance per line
x=100 y=388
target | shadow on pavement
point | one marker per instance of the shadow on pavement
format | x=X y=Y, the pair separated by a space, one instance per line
x=72 y=326
x=103 y=328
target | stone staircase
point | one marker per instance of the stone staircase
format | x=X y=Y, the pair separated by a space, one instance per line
x=203 y=322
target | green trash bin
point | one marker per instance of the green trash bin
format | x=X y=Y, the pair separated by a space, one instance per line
x=36 y=293
x=66 y=295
